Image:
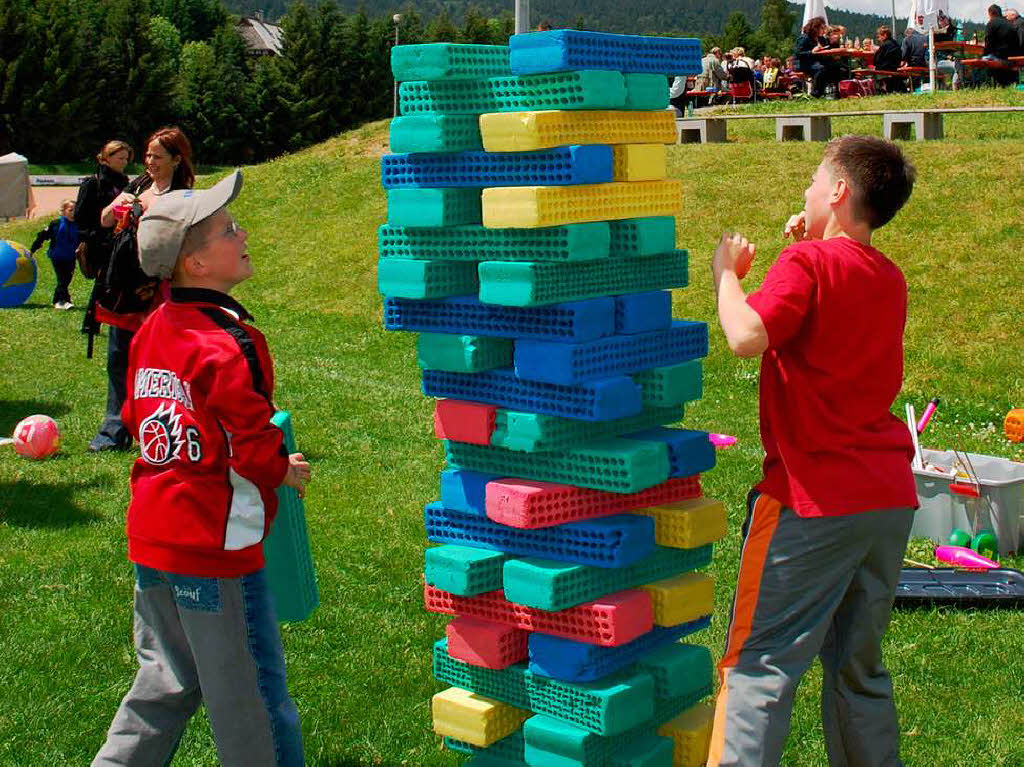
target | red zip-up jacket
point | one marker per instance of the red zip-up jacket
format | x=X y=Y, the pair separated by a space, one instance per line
x=199 y=401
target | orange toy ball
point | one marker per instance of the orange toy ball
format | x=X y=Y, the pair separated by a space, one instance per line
x=36 y=437
x=1014 y=425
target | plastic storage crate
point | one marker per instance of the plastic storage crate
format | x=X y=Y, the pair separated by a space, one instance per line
x=999 y=507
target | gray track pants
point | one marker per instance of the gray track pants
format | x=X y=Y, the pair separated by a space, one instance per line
x=212 y=641
x=811 y=587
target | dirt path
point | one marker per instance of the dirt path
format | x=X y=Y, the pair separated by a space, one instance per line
x=48 y=199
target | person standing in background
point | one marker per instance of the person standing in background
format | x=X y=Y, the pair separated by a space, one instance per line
x=63 y=236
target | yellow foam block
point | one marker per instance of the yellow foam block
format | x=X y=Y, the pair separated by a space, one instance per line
x=525 y=131
x=687 y=524
x=530 y=207
x=464 y=715
x=691 y=731
x=638 y=162
x=681 y=599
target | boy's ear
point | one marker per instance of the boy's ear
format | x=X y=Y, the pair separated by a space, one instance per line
x=840 y=189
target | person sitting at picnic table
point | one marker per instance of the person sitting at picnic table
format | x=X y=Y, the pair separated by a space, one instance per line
x=1001 y=42
x=887 y=59
x=915 y=48
x=946 y=30
x=836 y=68
x=806 y=62
x=712 y=73
x=770 y=74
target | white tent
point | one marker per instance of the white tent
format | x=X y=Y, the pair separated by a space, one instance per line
x=814 y=8
x=924 y=14
x=15 y=190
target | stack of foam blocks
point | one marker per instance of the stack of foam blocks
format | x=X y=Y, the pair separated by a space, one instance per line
x=531 y=243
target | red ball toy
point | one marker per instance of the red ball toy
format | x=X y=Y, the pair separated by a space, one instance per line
x=36 y=437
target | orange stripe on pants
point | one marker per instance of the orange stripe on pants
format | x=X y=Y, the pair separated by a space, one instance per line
x=764 y=520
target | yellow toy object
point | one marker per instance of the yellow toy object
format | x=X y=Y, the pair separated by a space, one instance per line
x=691 y=732
x=472 y=718
x=639 y=162
x=529 y=207
x=681 y=599
x=527 y=131
x=1013 y=426
x=687 y=524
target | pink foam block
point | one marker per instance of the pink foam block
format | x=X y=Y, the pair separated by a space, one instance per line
x=610 y=621
x=461 y=421
x=482 y=643
x=527 y=504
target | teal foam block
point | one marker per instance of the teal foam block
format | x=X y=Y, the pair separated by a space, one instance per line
x=433 y=207
x=464 y=354
x=573 y=242
x=538 y=283
x=449 y=61
x=671 y=384
x=678 y=669
x=464 y=570
x=615 y=465
x=646 y=751
x=639 y=237
x=609 y=706
x=565 y=90
x=290 y=572
x=510 y=750
x=410 y=278
x=435 y=133
x=550 y=585
x=536 y=433
x=644 y=91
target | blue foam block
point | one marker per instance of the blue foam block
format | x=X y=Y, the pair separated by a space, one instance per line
x=615 y=355
x=603 y=400
x=587 y=164
x=571 y=321
x=614 y=541
x=579 y=662
x=643 y=312
x=463 y=490
x=689 y=452
x=565 y=49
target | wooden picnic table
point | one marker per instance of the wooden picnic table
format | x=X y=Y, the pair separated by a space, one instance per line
x=962 y=46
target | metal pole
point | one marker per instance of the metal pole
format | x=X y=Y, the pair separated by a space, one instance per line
x=894 y=19
x=522 y=16
x=931 y=58
x=397 y=18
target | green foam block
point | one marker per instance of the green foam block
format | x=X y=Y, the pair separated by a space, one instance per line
x=671 y=384
x=678 y=669
x=449 y=61
x=639 y=237
x=463 y=354
x=435 y=133
x=409 y=278
x=464 y=570
x=537 y=283
x=534 y=432
x=433 y=207
x=573 y=242
x=645 y=91
x=290 y=572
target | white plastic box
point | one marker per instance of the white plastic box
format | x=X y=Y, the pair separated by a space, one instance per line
x=1002 y=484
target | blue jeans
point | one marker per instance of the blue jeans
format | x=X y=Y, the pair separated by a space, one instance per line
x=113 y=433
x=213 y=641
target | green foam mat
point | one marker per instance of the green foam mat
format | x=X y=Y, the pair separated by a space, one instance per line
x=590 y=89
x=572 y=242
x=433 y=207
x=463 y=354
x=536 y=433
x=639 y=237
x=464 y=570
x=435 y=133
x=646 y=91
x=538 y=283
x=672 y=384
x=410 y=278
x=449 y=61
x=615 y=465
x=290 y=572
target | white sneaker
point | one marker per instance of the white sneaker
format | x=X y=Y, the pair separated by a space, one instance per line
x=68 y=305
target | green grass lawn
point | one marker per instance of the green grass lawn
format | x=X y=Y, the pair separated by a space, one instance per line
x=360 y=668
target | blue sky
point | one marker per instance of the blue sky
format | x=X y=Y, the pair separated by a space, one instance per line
x=975 y=10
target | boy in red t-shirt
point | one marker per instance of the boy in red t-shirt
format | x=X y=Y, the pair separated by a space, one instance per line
x=827 y=526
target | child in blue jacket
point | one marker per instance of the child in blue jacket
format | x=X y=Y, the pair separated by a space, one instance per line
x=63 y=236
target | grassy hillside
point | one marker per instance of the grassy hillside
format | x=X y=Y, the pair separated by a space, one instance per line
x=360 y=668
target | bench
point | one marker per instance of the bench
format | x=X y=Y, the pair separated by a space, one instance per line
x=896 y=124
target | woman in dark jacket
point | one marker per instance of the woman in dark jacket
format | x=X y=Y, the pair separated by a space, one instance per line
x=810 y=38
x=96 y=193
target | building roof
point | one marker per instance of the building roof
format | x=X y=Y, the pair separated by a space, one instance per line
x=260 y=36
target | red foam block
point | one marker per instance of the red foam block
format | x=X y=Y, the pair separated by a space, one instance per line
x=462 y=421
x=610 y=621
x=526 y=504
x=482 y=643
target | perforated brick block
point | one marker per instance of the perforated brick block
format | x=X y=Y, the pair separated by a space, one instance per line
x=645 y=751
x=482 y=643
x=689 y=451
x=612 y=620
x=691 y=732
x=531 y=504
x=564 y=90
x=575 y=242
x=609 y=542
x=435 y=133
x=556 y=50
x=535 y=433
x=470 y=422
x=407 y=278
x=640 y=237
x=682 y=598
x=507 y=751
x=474 y=718
x=571 y=321
x=528 y=207
x=461 y=353
x=639 y=162
x=433 y=207
x=449 y=61
x=688 y=524
x=602 y=400
x=465 y=490
x=682 y=341
x=463 y=570
x=672 y=384
x=645 y=91
x=526 y=131
x=678 y=669
x=643 y=312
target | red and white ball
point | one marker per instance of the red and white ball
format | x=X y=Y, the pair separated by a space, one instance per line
x=36 y=437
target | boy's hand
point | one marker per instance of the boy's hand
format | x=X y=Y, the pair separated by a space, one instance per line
x=734 y=253
x=795 y=227
x=298 y=473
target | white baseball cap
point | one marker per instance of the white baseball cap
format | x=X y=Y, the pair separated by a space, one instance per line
x=162 y=229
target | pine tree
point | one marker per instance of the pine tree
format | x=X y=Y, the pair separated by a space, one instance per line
x=775 y=34
x=271 y=120
x=737 y=32
x=441 y=29
x=298 y=55
x=195 y=19
x=475 y=28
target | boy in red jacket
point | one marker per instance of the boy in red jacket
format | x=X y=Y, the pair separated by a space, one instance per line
x=827 y=526
x=199 y=402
